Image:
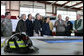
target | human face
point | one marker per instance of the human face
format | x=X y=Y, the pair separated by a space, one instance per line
x=30 y=17
x=38 y=17
x=8 y=16
x=48 y=20
x=59 y=17
x=67 y=18
x=78 y=16
x=24 y=17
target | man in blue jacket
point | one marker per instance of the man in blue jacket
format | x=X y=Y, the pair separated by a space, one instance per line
x=69 y=27
x=29 y=25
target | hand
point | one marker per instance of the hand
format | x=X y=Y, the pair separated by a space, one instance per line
x=56 y=24
x=64 y=23
x=35 y=34
x=75 y=30
x=39 y=34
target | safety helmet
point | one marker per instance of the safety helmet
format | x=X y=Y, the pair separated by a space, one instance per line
x=20 y=43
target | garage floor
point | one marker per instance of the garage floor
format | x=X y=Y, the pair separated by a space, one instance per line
x=73 y=48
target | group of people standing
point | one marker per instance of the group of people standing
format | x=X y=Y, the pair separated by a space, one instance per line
x=38 y=27
x=42 y=26
x=65 y=28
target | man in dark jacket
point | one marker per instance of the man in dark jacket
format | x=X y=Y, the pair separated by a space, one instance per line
x=21 y=26
x=29 y=25
x=37 y=25
x=78 y=26
x=69 y=27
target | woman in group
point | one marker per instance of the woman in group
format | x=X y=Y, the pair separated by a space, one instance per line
x=46 y=27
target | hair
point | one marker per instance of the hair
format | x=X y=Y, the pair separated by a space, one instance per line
x=29 y=15
x=22 y=16
x=36 y=15
x=7 y=13
x=59 y=15
x=46 y=18
x=67 y=17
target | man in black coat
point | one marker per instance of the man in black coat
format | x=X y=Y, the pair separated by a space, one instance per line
x=69 y=27
x=29 y=25
x=38 y=25
x=21 y=26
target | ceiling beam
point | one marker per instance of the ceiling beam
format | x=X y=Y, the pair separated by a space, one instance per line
x=54 y=2
x=65 y=3
x=77 y=4
x=59 y=5
x=81 y=7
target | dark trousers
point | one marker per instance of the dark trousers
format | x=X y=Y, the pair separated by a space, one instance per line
x=78 y=34
x=50 y=33
x=60 y=33
x=67 y=33
x=29 y=33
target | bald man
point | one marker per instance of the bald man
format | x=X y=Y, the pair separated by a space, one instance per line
x=78 y=26
x=60 y=26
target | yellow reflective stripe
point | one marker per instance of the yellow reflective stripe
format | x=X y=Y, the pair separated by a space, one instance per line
x=12 y=46
x=11 y=42
x=3 y=44
x=20 y=41
x=22 y=45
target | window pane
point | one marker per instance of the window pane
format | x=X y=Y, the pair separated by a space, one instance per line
x=33 y=11
x=2 y=9
x=70 y=14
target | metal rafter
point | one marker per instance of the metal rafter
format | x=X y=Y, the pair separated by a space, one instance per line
x=65 y=3
x=76 y=4
x=59 y=5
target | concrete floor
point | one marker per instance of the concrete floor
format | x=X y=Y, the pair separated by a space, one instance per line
x=74 y=48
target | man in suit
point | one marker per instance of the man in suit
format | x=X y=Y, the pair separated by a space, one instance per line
x=78 y=26
x=60 y=26
x=69 y=27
